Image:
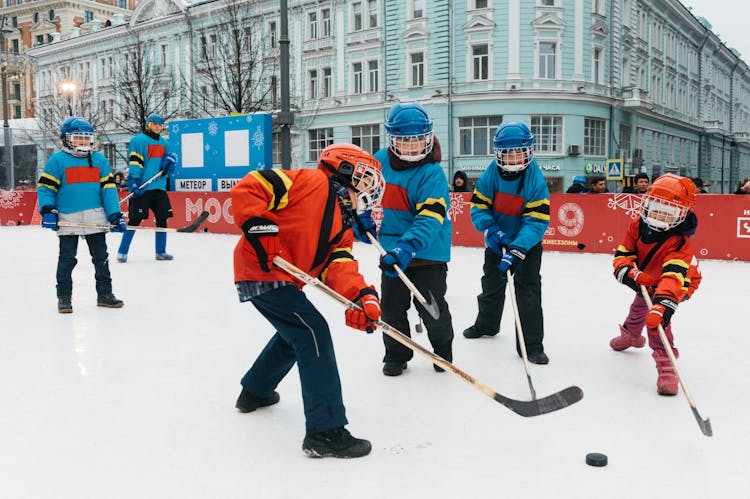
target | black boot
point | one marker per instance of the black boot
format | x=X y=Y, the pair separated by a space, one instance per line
x=63 y=305
x=394 y=368
x=472 y=332
x=538 y=358
x=337 y=442
x=108 y=301
x=248 y=403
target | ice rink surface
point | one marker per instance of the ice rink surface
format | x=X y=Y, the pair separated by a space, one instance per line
x=138 y=402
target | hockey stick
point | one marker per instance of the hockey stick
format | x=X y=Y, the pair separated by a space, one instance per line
x=519 y=330
x=551 y=403
x=158 y=174
x=430 y=306
x=704 y=424
x=188 y=228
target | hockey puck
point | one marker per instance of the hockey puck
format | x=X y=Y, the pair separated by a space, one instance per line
x=596 y=459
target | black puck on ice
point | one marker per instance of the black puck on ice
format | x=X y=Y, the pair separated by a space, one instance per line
x=596 y=459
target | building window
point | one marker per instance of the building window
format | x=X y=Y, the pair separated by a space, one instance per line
x=480 y=57
x=547 y=3
x=417 y=9
x=319 y=139
x=312 y=91
x=17 y=112
x=327 y=82
x=204 y=97
x=14 y=46
x=373 y=75
x=272 y=34
x=88 y=16
x=480 y=4
x=625 y=142
x=51 y=14
x=372 y=9
x=357 y=77
x=276 y=148
x=357 y=16
x=547 y=131
x=123 y=4
x=416 y=64
x=476 y=133
x=599 y=7
x=547 y=57
x=367 y=137
x=326 y=15
x=14 y=21
x=36 y=14
x=594 y=137
x=39 y=39
x=312 y=25
x=598 y=67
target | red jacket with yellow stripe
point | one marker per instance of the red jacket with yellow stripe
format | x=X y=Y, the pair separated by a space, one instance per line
x=312 y=235
x=672 y=262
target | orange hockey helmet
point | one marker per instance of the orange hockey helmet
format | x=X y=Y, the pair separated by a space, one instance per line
x=668 y=201
x=355 y=168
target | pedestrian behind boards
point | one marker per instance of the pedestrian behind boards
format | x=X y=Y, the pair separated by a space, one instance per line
x=460 y=182
x=656 y=253
x=306 y=217
x=510 y=206
x=77 y=186
x=148 y=154
x=578 y=186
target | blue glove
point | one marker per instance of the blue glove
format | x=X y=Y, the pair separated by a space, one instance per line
x=363 y=223
x=133 y=187
x=118 y=223
x=495 y=239
x=168 y=162
x=401 y=255
x=511 y=261
x=49 y=218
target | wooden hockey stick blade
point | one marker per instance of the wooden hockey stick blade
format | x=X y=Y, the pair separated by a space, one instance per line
x=197 y=223
x=537 y=407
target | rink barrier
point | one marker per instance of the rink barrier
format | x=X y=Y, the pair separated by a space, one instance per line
x=587 y=223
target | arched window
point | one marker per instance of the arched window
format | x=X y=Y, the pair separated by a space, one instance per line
x=36 y=17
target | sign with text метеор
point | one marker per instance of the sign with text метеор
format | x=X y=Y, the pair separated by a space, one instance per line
x=215 y=153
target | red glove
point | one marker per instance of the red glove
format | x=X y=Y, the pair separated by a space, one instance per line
x=263 y=235
x=370 y=311
x=630 y=276
x=660 y=314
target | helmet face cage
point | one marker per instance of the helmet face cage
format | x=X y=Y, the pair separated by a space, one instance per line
x=369 y=185
x=80 y=141
x=667 y=202
x=514 y=147
x=514 y=159
x=411 y=147
x=356 y=169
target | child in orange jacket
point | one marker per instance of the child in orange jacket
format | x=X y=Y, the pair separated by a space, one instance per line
x=656 y=253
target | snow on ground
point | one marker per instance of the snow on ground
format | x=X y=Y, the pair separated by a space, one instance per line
x=139 y=402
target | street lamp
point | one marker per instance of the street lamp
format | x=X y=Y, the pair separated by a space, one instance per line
x=68 y=87
x=7 y=145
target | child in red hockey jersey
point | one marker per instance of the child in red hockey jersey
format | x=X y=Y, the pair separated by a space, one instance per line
x=656 y=253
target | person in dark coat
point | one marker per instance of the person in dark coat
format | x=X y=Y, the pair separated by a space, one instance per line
x=459 y=182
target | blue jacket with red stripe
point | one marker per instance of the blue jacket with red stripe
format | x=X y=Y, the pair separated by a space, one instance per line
x=415 y=209
x=71 y=184
x=145 y=152
x=520 y=207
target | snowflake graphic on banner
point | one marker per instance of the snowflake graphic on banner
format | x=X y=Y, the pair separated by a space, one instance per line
x=631 y=203
x=213 y=129
x=176 y=128
x=9 y=199
x=258 y=138
x=457 y=206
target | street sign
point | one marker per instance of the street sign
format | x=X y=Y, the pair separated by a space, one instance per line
x=614 y=169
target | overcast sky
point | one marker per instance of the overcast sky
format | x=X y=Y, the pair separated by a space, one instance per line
x=729 y=21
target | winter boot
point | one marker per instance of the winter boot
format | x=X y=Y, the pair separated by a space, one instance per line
x=538 y=358
x=666 y=383
x=108 y=301
x=394 y=368
x=472 y=332
x=122 y=257
x=337 y=442
x=161 y=246
x=164 y=256
x=63 y=305
x=626 y=340
x=248 y=403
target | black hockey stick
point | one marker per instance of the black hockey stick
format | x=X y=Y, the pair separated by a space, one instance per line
x=551 y=403
x=188 y=228
x=703 y=424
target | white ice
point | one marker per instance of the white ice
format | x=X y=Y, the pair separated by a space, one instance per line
x=138 y=402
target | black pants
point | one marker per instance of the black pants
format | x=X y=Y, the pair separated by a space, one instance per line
x=157 y=201
x=66 y=261
x=528 y=294
x=395 y=304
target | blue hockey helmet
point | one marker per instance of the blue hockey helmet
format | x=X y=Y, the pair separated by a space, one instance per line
x=77 y=134
x=409 y=131
x=579 y=179
x=156 y=119
x=514 y=147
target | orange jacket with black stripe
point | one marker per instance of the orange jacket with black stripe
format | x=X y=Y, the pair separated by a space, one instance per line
x=312 y=234
x=669 y=259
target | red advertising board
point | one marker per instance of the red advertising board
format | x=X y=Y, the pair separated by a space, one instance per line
x=592 y=223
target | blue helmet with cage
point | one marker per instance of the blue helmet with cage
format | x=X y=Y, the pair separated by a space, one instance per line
x=77 y=134
x=409 y=131
x=514 y=147
x=156 y=119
